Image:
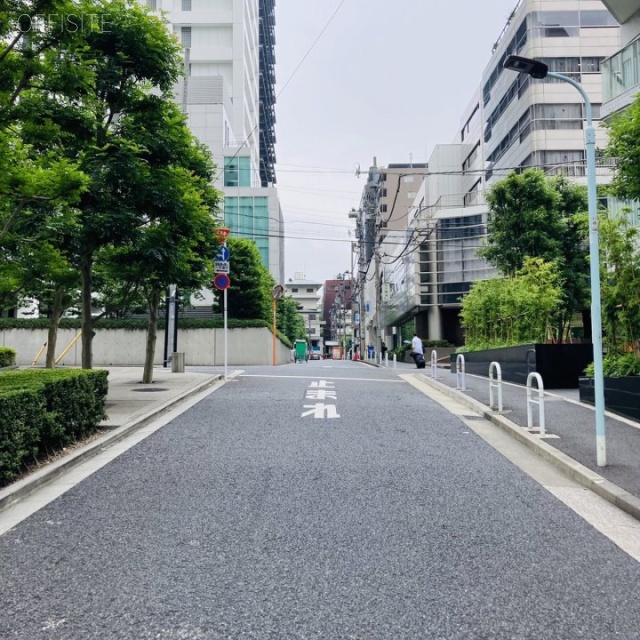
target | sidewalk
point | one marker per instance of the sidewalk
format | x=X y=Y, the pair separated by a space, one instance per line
x=570 y=425
x=130 y=405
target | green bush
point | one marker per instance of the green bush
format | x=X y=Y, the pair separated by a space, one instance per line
x=618 y=366
x=7 y=357
x=42 y=410
x=133 y=323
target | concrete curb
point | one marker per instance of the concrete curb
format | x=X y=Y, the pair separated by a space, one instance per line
x=614 y=494
x=22 y=488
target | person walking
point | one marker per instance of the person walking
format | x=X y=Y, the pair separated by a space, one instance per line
x=417 y=352
x=383 y=350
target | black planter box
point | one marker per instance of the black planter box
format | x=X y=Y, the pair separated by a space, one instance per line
x=621 y=395
x=560 y=365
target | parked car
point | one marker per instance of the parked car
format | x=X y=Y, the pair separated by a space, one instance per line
x=315 y=355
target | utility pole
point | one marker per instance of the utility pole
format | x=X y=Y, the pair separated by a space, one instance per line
x=378 y=299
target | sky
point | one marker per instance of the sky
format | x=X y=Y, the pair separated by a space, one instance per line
x=364 y=79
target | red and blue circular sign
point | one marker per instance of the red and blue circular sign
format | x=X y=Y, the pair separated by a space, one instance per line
x=221 y=281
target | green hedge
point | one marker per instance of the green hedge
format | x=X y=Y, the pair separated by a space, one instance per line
x=7 y=357
x=43 y=410
x=133 y=323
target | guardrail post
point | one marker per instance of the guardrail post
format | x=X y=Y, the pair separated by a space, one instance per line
x=434 y=364
x=460 y=381
x=495 y=366
x=539 y=401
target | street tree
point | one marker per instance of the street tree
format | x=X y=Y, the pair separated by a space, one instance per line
x=534 y=216
x=119 y=67
x=176 y=242
x=249 y=296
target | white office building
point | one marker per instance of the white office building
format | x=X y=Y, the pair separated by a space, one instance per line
x=512 y=122
x=229 y=97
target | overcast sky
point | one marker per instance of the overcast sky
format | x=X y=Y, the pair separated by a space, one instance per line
x=386 y=79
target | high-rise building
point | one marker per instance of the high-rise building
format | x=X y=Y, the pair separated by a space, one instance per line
x=228 y=95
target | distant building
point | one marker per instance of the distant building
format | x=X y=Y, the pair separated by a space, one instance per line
x=417 y=273
x=306 y=294
x=337 y=311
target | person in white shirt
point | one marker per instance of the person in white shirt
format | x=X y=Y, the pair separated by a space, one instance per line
x=416 y=345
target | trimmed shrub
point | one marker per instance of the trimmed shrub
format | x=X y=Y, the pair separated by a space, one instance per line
x=42 y=410
x=7 y=357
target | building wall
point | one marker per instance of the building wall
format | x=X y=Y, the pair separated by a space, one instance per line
x=221 y=97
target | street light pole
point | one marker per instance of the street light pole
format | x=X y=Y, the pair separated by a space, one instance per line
x=537 y=69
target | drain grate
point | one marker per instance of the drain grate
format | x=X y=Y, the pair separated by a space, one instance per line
x=472 y=417
x=151 y=389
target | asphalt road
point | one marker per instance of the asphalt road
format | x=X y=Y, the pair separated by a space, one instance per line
x=314 y=501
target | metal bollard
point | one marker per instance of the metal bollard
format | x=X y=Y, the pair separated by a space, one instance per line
x=494 y=366
x=540 y=401
x=434 y=364
x=460 y=381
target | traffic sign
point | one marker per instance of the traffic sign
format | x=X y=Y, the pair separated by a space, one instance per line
x=222 y=233
x=221 y=281
x=223 y=254
x=221 y=266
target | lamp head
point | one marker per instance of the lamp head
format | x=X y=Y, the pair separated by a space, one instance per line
x=534 y=68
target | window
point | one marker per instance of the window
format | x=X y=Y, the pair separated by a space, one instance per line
x=313 y=316
x=237 y=171
x=186 y=5
x=185 y=37
x=597 y=19
x=309 y=290
x=294 y=290
x=383 y=208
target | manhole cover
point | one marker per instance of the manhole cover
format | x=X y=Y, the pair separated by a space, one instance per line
x=152 y=389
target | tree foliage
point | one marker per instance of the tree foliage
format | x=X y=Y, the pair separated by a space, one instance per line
x=513 y=310
x=250 y=294
x=533 y=216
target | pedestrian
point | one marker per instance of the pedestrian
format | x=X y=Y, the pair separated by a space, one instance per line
x=383 y=349
x=417 y=352
x=416 y=345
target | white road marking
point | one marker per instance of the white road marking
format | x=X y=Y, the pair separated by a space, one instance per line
x=320 y=410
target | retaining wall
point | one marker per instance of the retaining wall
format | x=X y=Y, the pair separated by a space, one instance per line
x=126 y=347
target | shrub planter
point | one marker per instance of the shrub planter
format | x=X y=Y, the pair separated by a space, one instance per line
x=621 y=395
x=560 y=365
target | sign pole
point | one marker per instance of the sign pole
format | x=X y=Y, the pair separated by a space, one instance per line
x=274 y=332
x=225 y=335
x=222 y=281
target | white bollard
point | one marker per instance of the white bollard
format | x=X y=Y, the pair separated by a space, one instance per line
x=460 y=381
x=540 y=401
x=494 y=366
x=434 y=364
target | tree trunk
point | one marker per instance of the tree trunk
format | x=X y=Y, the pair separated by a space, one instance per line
x=152 y=335
x=56 y=313
x=87 y=319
